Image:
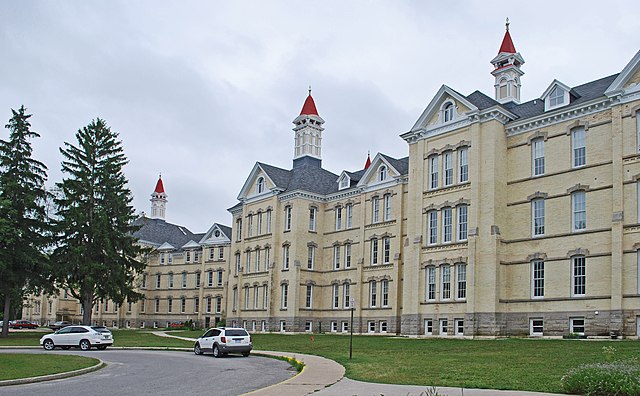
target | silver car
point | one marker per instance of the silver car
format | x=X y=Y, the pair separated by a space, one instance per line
x=83 y=337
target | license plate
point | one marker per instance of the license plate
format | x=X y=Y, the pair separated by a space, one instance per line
x=238 y=341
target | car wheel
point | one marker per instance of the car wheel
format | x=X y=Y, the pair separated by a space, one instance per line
x=48 y=345
x=216 y=351
x=66 y=348
x=85 y=345
x=102 y=347
x=197 y=350
x=245 y=354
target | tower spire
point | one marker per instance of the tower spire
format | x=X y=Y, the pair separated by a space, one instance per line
x=308 y=134
x=158 y=200
x=507 y=71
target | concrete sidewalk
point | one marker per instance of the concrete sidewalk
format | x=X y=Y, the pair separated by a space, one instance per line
x=322 y=376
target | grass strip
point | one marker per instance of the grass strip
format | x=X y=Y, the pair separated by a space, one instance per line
x=15 y=366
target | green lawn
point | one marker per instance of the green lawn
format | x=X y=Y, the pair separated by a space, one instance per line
x=520 y=364
x=13 y=366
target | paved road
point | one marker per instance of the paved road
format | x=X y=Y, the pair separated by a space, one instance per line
x=139 y=372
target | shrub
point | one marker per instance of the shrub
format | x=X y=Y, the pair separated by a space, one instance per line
x=620 y=378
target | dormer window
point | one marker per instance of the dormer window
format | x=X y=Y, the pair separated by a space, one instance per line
x=382 y=173
x=448 y=112
x=345 y=182
x=260 y=185
x=556 y=97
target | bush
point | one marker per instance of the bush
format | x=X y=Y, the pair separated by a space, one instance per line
x=620 y=378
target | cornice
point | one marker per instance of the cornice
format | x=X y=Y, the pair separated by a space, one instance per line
x=559 y=115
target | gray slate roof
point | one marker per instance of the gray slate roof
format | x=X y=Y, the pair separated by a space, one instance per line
x=533 y=108
x=158 y=231
x=401 y=165
x=303 y=177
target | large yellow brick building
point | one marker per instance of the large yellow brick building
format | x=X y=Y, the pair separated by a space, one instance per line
x=506 y=218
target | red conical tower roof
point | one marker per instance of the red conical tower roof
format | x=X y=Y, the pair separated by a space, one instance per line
x=309 y=107
x=368 y=163
x=507 y=44
x=159 y=186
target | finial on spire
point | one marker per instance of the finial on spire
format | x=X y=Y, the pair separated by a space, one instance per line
x=309 y=89
x=507 y=24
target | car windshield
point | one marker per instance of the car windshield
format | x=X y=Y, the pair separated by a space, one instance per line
x=232 y=333
x=100 y=329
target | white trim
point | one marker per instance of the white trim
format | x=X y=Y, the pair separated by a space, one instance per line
x=616 y=86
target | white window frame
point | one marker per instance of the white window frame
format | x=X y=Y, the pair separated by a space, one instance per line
x=375 y=209
x=347 y=255
x=447 y=225
x=447 y=167
x=448 y=112
x=574 y=326
x=312 y=219
x=578 y=147
x=285 y=257
x=284 y=288
x=338 y=211
x=374 y=251
x=534 y=324
x=463 y=164
x=433 y=172
x=309 y=297
x=382 y=173
x=346 y=294
x=428 y=327
x=335 y=296
x=578 y=211
x=260 y=185
x=556 y=97
x=386 y=250
x=432 y=227
x=537 y=217
x=371 y=326
x=431 y=283
x=311 y=256
x=537 y=279
x=537 y=157
x=384 y=286
x=578 y=276
x=387 y=207
x=462 y=225
x=461 y=281
x=336 y=257
x=287 y=218
x=458 y=327
x=445 y=282
x=349 y=209
x=373 y=294
x=443 y=326
x=334 y=326
x=256 y=296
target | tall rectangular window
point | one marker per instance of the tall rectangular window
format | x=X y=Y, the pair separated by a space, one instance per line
x=265 y=292
x=374 y=251
x=335 y=296
x=448 y=168
x=537 y=214
x=171 y=281
x=579 y=210
x=387 y=207
x=184 y=280
x=338 y=211
x=349 y=209
x=431 y=283
x=237 y=263
x=312 y=219
x=375 y=209
x=285 y=296
x=347 y=255
x=285 y=257
x=255 y=297
x=287 y=218
x=537 y=278
x=250 y=225
x=373 y=294
x=462 y=222
x=446 y=225
x=461 y=281
x=169 y=304
x=445 y=283
x=267 y=254
x=259 y=224
x=248 y=261
x=537 y=155
x=221 y=253
x=433 y=227
x=311 y=257
x=463 y=164
x=208 y=307
x=579 y=276
x=257 y=260
x=347 y=295
x=238 y=229
x=219 y=278
x=198 y=279
x=578 y=147
x=187 y=258
x=336 y=257
x=309 y=297
x=433 y=172
x=196 y=304
x=235 y=299
x=385 y=292
x=183 y=305
x=268 y=221
x=218 y=304
x=386 y=250
x=246 y=297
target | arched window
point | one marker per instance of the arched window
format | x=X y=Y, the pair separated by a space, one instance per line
x=382 y=173
x=260 y=185
x=448 y=112
x=502 y=89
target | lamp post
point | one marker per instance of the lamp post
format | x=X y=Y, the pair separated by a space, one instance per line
x=352 y=304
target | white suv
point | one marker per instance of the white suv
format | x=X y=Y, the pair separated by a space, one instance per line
x=83 y=337
x=224 y=340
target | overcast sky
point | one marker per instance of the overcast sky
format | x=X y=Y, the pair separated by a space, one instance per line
x=200 y=91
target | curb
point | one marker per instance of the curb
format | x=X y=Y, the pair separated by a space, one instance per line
x=51 y=377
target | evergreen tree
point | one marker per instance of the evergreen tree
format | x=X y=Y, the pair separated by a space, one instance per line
x=23 y=223
x=97 y=256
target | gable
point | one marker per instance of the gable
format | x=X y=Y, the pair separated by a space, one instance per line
x=434 y=115
x=215 y=235
x=628 y=80
x=250 y=188
x=372 y=175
